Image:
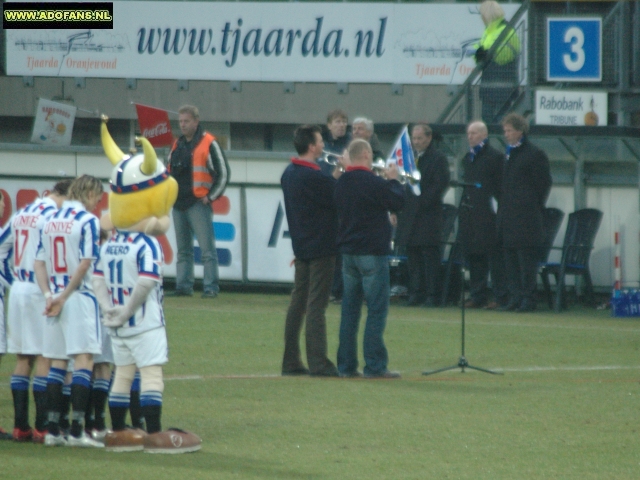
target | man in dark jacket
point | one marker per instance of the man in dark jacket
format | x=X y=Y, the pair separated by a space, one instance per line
x=526 y=184
x=364 y=200
x=313 y=224
x=482 y=166
x=420 y=221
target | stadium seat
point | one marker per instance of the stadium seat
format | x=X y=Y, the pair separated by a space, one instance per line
x=552 y=218
x=579 y=238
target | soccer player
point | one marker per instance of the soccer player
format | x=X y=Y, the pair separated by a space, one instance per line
x=95 y=415
x=67 y=251
x=5 y=281
x=25 y=313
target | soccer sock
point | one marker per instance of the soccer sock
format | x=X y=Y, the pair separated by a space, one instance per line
x=118 y=406
x=64 y=407
x=89 y=416
x=137 y=420
x=40 y=399
x=99 y=399
x=20 y=392
x=54 y=399
x=151 y=404
x=80 y=391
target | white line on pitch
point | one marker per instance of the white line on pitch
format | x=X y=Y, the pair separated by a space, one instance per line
x=577 y=369
x=584 y=368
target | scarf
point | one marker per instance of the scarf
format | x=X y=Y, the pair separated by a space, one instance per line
x=473 y=151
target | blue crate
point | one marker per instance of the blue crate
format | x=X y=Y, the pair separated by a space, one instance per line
x=625 y=303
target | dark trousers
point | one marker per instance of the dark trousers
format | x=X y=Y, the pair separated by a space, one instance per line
x=521 y=269
x=310 y=296
x=480 y=264
x=338 y=284
x=424 y=271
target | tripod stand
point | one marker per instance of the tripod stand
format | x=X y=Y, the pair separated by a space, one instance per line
x=462 y=361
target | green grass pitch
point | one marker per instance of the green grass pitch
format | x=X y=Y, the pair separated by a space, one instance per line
x=567 y=406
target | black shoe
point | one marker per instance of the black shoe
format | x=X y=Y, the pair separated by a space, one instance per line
x=509 y=307
x=526 y=306
x=330 y=372
x=385 y=374
x=296 y=372
x=430 y=302
x=354 y=374
x=209 y=294
x=413 y=301
x=180 y=293
x=474 y=304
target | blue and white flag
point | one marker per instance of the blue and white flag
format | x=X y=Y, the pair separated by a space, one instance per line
x=402 y=156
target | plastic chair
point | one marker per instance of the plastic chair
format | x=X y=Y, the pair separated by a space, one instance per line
x=581 y=232
x=552 y=219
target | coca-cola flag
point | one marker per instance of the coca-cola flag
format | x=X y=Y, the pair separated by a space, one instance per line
x=154 y=125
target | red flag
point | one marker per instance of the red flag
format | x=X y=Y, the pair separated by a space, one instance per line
x=154 y=125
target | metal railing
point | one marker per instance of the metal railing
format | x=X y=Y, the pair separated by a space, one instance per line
x=466 y=104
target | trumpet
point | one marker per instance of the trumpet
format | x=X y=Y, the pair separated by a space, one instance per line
x=380 y=166
x=332 y=159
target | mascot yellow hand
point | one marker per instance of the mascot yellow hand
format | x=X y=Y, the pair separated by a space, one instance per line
x=142 y=191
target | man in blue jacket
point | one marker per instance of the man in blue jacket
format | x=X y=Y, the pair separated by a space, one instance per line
x=364 y=240
x=313 y=223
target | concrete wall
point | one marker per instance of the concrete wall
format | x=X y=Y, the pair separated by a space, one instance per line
x=259 y=102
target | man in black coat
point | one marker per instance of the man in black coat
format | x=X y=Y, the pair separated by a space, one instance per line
x=482 y=166
x=313 y=226
x=420 y=221
x=526 y=184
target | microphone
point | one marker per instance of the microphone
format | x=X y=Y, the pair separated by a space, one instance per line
x=455 y=183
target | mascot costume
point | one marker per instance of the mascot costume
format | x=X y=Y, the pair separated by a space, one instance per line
x=128 y=284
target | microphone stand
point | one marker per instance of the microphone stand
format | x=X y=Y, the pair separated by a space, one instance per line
x=462 y=361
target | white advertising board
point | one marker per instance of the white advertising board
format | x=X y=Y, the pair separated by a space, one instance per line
x=262 y=41
x=227 y=224
x=269 y=251
x=571 y=108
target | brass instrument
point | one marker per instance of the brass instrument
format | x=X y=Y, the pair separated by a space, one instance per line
x=380 y=166
x=335 y=162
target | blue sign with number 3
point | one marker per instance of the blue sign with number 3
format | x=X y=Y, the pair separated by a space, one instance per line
x=574 y=49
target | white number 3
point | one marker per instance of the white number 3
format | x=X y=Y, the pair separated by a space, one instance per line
x=574 y=61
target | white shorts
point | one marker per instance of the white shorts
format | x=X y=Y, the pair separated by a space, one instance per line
x=144 y=350
x=26 y=320
x=3 y=329
x=76 y=330
x=107 y=352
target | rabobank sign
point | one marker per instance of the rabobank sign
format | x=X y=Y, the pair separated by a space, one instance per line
x=571 y=108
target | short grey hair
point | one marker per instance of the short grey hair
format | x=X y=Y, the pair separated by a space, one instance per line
x=490 y=11
x=368 y=123
x=357 y=147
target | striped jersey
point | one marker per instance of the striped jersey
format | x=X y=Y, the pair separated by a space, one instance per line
x=6 y=250
x=24 y=237
x=68 y=236
x=124 y=258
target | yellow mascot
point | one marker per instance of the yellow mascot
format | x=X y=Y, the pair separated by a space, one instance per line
x=128 y=284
